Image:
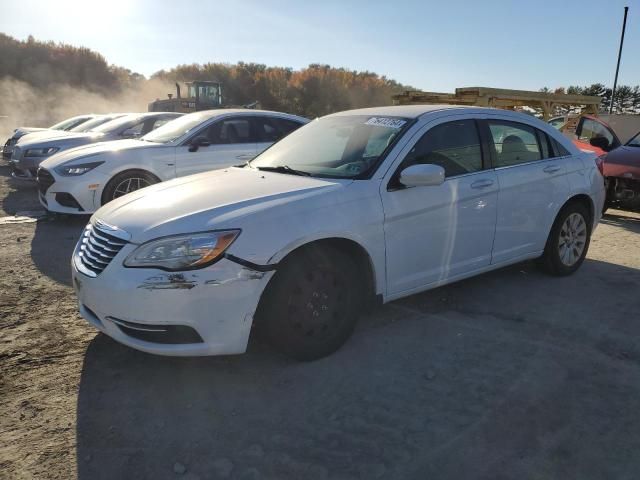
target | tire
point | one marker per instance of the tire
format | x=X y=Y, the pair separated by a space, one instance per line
x=568 y=240
x=127 y=182
x=312 y=303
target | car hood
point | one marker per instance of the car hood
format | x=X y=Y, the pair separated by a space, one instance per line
x=210 y=200
x=29 y=142
x=22 y=131
x=625 y=155
x=113 y=147
x=623 y=162
x=45 y=134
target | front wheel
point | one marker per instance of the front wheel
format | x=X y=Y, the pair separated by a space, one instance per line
x=311 y=305
x=127 y=182
x=568 y=240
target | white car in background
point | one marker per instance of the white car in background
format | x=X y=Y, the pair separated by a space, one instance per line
x=31 y=150
x=83 y=179
x=380 y=202
x=20 y=132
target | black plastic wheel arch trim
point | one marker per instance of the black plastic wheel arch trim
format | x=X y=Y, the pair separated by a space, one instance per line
x=251 y=265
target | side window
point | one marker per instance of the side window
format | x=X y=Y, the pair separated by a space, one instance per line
x=286 y=126
x=543 y=139
x=592 y=129
x=230 y=131
x=455 y=146
x=266 y=130
x=514 y=143
x=558 y=149
x=161 y=121
x=133 y=131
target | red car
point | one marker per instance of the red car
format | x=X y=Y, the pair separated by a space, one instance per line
x=588 y=133
x=622 y=175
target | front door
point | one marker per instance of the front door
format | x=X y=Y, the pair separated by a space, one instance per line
x=231 y=142
x=436 y=233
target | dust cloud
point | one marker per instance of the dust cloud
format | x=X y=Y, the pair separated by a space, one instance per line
x=26 y=106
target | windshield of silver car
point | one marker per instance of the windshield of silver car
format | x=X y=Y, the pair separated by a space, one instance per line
x=175 y=129
x=342 y=146
x=91 y=124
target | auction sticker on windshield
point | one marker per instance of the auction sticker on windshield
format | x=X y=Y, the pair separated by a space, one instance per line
x=385 y=122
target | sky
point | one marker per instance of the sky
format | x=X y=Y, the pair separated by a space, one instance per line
x=430 y=45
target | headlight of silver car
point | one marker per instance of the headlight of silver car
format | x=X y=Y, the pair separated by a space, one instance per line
x=41 y=152
x=182 y=252
x=77 y=169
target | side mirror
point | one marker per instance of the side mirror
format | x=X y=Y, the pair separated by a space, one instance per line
x=130 y=133
x=600 y=142
x=422 y=175
x=198 y=142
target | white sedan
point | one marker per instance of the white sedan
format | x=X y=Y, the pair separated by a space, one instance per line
x=368 y=204
x=80 y=180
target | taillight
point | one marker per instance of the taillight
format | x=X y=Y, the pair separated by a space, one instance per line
x=600 y=163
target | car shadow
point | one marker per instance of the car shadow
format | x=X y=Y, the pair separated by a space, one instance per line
x=419 y=376
x=616 y=218
x=53 y=243
x=20 y=195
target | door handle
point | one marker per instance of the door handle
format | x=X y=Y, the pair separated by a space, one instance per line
x=245 y=157
x=482 y=183
x=551 y=169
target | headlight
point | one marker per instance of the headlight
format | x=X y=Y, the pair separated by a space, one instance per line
x=182 y=252
x=77 y=169
x=41 y=152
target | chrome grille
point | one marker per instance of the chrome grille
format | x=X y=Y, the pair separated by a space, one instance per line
x=97 y=247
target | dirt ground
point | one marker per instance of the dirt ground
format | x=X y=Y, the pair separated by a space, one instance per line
x=512 y=374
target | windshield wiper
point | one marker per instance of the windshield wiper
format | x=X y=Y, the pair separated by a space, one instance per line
x=285 y=169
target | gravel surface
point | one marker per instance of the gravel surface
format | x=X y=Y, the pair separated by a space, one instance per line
x=512 y=374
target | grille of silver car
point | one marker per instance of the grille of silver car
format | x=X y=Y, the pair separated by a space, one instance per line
x=97 y=247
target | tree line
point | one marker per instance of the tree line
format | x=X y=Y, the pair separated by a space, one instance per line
x=312 y=91
x=626 y=100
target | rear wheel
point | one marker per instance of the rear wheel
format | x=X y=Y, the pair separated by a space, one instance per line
x=568 y=240
x=312 y=303
x=127 y=182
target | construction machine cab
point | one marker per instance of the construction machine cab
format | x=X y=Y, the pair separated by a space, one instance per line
x=201 y=95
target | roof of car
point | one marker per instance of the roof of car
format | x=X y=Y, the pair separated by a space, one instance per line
x=406 y=111
x=244 y=111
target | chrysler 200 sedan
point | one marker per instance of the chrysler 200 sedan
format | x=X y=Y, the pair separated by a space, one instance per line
x=368 y=204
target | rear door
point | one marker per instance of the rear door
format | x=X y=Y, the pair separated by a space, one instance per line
x=533 y=185
x=232 y=142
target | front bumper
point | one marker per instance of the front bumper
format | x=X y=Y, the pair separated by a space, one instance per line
x=24 y=168
x=84 y=190
x=217 y=302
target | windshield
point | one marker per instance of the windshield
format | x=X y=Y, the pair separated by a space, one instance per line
x=69 y=123
x=337 y=146
x=175 y=129
x=635 y=141
x=91 y=124
x=115 y=125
